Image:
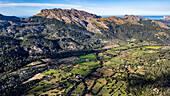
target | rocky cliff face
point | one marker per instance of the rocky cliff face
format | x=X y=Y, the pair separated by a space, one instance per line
x=52 y=13
x=81 y=18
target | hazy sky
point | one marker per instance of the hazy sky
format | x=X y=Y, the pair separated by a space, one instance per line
x=99 y=7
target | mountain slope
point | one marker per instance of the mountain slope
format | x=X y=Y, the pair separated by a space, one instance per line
x=29 y=46
x=44 y=34
x=76 y=24
x=78 y=17
x=152 y=22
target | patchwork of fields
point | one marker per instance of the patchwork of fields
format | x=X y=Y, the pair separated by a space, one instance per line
x=119 y=71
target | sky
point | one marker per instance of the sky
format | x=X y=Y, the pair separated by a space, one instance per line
x=99 y=7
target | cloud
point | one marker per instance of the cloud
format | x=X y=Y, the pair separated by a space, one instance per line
x=38 y=5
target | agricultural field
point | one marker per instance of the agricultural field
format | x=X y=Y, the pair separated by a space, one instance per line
x=89 y=56
x=119 y=71
x=152 y=47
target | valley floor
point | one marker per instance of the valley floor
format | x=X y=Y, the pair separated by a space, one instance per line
x=131 y=69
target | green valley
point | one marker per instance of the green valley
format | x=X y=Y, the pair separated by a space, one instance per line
x=69 y=52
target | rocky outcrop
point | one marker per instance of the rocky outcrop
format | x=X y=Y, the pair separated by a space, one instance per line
x=166 y=18
x=78 y=17
x=133 y=17
x=66 y=13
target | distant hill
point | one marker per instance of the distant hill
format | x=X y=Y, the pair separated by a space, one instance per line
x=166 y=20
x=9 y=18
x=133 y=17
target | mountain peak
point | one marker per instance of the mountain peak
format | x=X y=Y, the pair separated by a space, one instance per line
x=78 y=17
x=166 y=18
x=133 y=17
x=65 y=12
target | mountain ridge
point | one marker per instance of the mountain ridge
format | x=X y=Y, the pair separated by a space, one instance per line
x=78 y=17
x=96 y=24
x=84 y=18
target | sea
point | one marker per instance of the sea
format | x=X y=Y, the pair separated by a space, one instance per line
x=144 y=16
